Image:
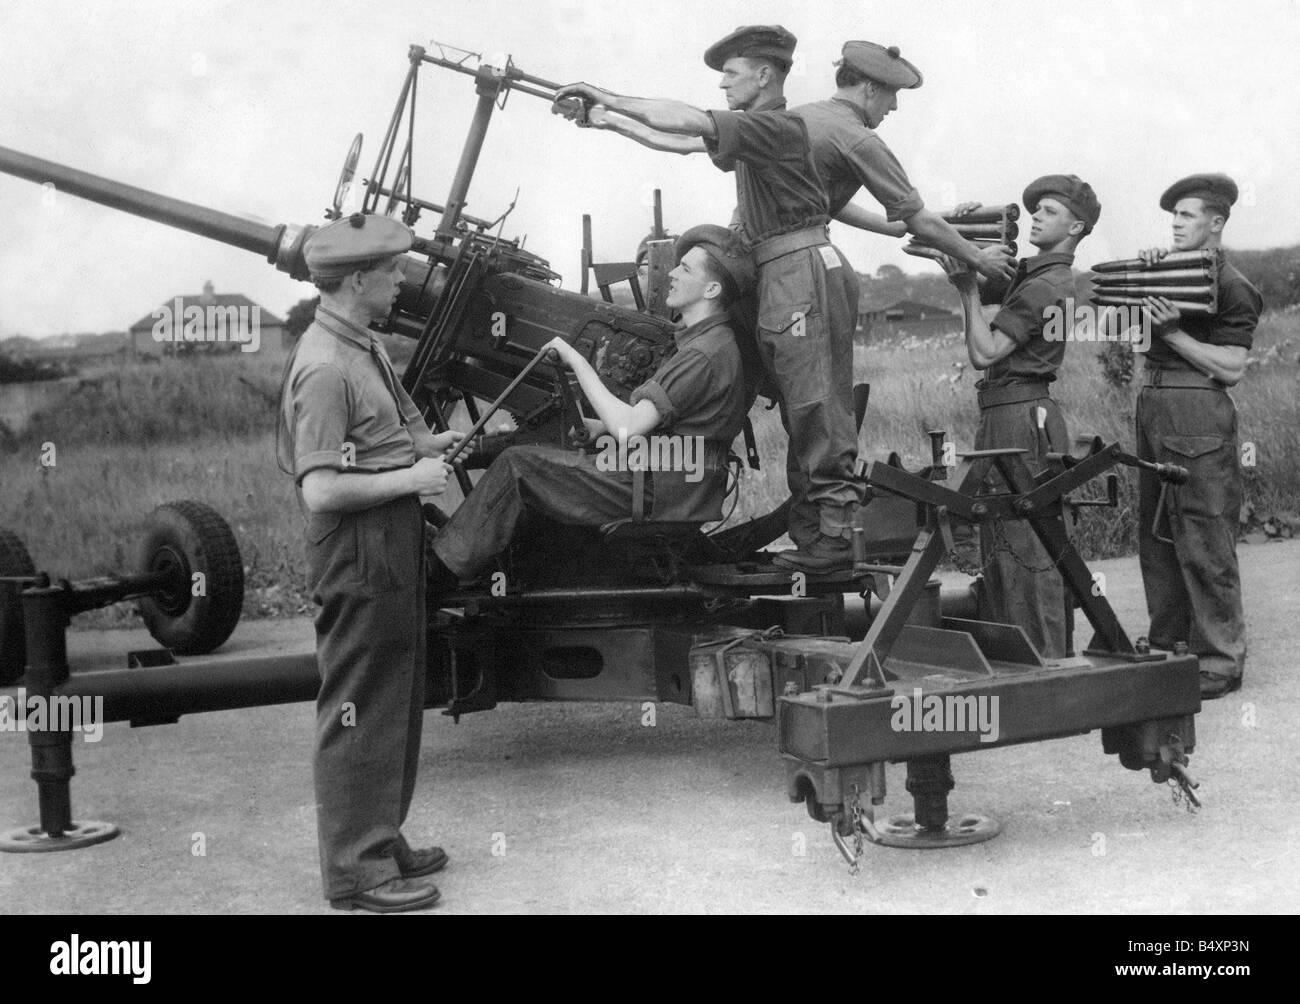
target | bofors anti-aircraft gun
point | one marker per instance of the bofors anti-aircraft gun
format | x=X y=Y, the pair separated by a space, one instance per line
x=636 y=611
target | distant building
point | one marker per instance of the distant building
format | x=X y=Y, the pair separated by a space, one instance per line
x=212 y=322
x=81 y=348
x=905 y=318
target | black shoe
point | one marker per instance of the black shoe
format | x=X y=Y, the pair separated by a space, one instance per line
x=425 y=861
x=397 y=895
x=1213 y=685
x=824 y=554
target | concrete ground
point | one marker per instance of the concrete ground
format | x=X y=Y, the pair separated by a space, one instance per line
x=581 y=808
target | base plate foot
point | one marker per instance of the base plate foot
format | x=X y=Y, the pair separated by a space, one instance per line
x=32 y=840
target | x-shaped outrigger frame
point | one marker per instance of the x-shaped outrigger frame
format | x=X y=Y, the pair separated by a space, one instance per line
x=1039 y=500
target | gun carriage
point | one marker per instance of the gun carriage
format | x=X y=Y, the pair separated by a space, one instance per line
x=638 y=611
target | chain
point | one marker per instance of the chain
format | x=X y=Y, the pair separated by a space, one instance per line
x=855 y=815
x=1180 y=798
x=1000 y=545
x=1178 y=780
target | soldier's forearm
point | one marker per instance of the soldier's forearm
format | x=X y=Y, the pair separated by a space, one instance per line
x=1223 y=362
x=328 y=490
x=653 y=138
x=856 y=216
x=984 y=346
x=665 y=115
x=617 y=416
x=934 y=230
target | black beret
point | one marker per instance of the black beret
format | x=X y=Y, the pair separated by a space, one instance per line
x=354 y=242
x=1215 y=188
x=879 y=63
x=727 y=249
x=770 y=40
x=1070 y=190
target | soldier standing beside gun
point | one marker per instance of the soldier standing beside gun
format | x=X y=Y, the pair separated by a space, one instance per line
x=1016 y=410
x=1185 y=417
x=362 y=456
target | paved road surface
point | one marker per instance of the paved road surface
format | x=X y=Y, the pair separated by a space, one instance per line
x=579 y=808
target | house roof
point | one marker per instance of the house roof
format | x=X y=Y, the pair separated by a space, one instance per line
x=909 y=308
x=266 y=318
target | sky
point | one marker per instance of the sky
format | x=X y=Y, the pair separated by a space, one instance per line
x=250 y=108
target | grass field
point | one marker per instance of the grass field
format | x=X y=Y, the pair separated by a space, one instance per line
x=203 y=429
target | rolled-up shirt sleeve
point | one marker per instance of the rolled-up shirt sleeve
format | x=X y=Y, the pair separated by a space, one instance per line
x=1025 y=312
x=1238 y=315
x=320 y=402
x=678 y=387
x=755 y=137
x=883 y=176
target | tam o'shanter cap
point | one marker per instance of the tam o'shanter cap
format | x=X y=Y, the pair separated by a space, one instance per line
x=1215 y=188
x=770 y=40
x=353 y=243
x=1071 y=191
x=726 y=248
x=879 y=63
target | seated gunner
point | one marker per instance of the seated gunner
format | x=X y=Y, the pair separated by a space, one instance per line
x=697 y=394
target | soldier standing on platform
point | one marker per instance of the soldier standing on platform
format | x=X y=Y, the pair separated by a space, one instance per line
x=807 y=293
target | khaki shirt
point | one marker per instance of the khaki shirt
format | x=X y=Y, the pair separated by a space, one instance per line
x=1042 y=284
x=1240 y=304
x=336 y=396
x=777 y=188
x=700 y=390
x=850 y=156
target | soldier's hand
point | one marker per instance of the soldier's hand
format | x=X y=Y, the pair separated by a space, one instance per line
x=1163 y=315
x=597 y=117
x=444 y=442
x=429 y=476
x=1150 y=256
x=585 y=93
x=959 y=275
x=565 y=351
x=573 y=109
x=966 y=208
x=996 y=262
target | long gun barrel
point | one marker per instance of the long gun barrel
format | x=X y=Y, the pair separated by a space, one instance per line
x=281 y=244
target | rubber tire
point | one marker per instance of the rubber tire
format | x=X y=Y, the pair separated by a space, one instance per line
x=194 y=536
x=14 y=560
